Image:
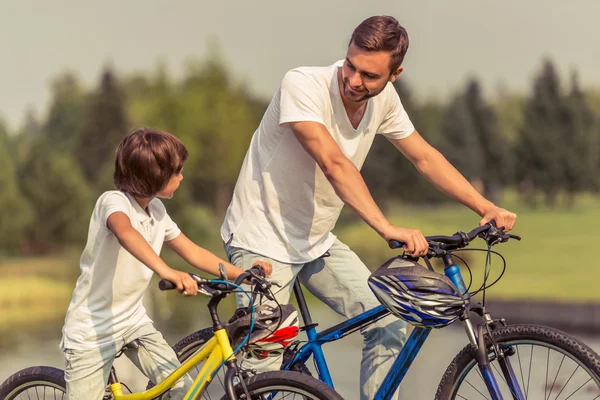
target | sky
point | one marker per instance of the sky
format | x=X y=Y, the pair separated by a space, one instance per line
x=502 y=43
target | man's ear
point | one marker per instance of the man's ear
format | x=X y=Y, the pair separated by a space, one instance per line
x=395 y=74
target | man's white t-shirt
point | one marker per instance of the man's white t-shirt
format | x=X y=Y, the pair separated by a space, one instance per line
x=283 y=206
x=107 y=300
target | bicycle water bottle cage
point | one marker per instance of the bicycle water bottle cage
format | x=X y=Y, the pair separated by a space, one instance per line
x=412 y=292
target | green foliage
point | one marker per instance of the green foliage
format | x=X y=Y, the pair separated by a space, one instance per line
x=16 y=211
x=391 y=176
x=64 y=123
x=52 y=182
x=471 y=140
x=104 y=127
x=558 y=149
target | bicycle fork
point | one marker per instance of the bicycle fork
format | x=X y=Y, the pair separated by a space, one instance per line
x=477 y=340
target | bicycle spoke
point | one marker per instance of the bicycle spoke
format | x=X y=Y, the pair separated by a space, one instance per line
x=500 y=373
x=586 y=382
x=529 y=377
x=557 y=372
x=547 y=368
x=520 y=368
x=482 y=395
x=505 y=381
x=565 y=385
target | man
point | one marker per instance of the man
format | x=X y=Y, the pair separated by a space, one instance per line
x=303 y=166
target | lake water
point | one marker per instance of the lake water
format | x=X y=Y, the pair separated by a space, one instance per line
x=343 y=357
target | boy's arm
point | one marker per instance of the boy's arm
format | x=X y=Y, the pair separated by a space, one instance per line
x=204 y=260
x=132 y=241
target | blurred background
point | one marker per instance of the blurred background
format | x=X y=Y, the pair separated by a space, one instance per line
x=508 y=91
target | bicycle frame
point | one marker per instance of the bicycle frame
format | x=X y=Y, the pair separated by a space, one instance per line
x=216 y=350
x=410 y=349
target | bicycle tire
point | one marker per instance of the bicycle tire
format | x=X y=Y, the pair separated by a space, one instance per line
x=291 y=382
x=516 y=335
x=47 y=379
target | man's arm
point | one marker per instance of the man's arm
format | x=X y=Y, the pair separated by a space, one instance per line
x=437 y=170
x=350 y=186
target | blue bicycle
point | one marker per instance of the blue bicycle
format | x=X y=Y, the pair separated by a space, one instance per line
x=500 y=362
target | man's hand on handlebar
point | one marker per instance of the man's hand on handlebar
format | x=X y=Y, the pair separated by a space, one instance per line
x=266 y=267
x=414 y=243
x=502 y=217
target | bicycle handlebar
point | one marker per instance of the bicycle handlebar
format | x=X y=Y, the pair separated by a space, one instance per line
x=254 y=275
x=439 y=245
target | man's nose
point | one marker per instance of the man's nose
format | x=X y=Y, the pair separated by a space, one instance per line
x=355 y=80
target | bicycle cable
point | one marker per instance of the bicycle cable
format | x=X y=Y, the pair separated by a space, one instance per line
x=251 y=320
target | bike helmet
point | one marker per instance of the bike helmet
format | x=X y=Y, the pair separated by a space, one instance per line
x=422 y=297
x=274 y=329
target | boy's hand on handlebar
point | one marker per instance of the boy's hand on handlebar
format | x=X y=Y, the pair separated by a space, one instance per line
x=415 y=243
x=183 y=280
x=266 y=267
x=502 y=218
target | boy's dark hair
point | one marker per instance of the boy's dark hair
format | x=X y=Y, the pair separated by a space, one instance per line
x=145 y=161
x=382 y=33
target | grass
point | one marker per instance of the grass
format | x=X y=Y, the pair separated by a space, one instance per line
x=556 y=260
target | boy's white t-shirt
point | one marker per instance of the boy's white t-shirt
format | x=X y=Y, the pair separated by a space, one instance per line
x=107 y=300
x=283 y=206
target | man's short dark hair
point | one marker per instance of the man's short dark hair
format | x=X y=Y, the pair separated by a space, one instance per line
x=382 y=33
x=146 y=160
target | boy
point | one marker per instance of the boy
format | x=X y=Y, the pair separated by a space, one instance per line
x=127 y=229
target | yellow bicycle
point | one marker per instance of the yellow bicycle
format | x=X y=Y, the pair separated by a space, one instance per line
x=47 y=383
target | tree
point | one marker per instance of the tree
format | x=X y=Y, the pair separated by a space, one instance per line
x=16 y=210
x=387 y=173
x=218 y=120
x=472 y=141
x=65 y=120
x=540 y=146
x=104 y=127
x=581 y=144
x=61 y=201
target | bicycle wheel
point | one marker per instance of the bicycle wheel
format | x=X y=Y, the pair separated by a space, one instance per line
x=43 y=383
x=286 y=385
x=546 y=362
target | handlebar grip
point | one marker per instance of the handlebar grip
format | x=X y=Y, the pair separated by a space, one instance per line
x=166 y=285
x=395 y=244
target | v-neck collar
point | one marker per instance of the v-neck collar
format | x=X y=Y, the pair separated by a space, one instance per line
x=337 y=95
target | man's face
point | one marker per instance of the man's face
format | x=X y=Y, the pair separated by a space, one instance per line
x=365 y=73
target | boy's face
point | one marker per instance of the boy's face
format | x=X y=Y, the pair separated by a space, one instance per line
x=171 y=186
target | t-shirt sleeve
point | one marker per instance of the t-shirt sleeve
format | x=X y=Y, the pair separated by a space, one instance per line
x=396 y=123
x=300 y=99
x=111 y=203
x=171 y=228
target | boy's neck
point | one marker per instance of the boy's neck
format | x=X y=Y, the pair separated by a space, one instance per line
x=143 y=202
